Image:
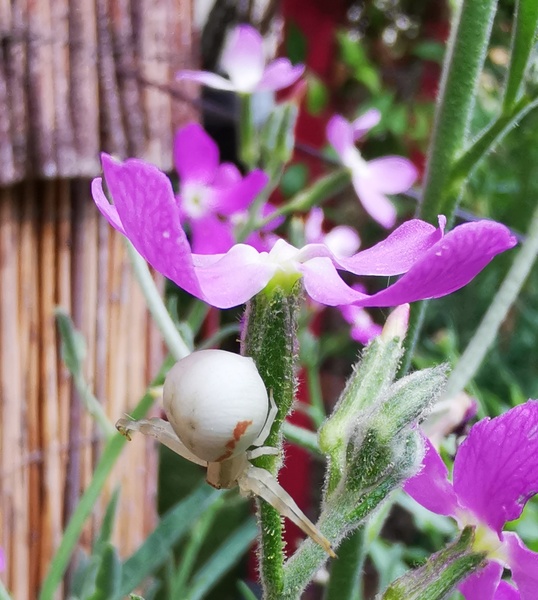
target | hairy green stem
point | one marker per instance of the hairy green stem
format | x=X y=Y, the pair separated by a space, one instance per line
x=489 y=138
x=523 y=37
x=269 y=337
x=464 y=60
x=484 y=336
x=172 y=338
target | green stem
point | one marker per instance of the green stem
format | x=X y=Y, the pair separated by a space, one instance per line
x=172 y=338
x=110 y=455
x=489 y=138
x=465 y=56
x=316 y=397
x=345 y=579
x=302 y=437
x=248 y=151
x=324 y=188
x=484 y=336
x=417 y=314
x=269 y=337
x=523 y=36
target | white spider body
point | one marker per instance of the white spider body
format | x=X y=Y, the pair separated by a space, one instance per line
x=217 y=408
x=215 y=417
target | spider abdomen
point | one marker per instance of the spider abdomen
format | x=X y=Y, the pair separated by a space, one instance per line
x=216 y=403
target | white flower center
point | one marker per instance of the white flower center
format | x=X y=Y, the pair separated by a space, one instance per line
x=353 y=160
x=196 y=199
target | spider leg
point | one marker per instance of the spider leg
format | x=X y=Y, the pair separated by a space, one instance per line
x=261 y=451
x=271 y=415
x=160 y=430
x=263 y=484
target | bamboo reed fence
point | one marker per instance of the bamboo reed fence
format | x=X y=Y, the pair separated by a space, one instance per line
x=76 y=77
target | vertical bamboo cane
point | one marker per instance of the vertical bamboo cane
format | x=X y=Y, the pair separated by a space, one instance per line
x=29 y=328
x=14 y=482
x=52 y=481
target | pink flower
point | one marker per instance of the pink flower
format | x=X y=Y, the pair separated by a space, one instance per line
x=375 y=178
x=213 y=197
x=146 y=212
x=363 y=327
x=341 y=240
x=244 y=62
x=495 y=474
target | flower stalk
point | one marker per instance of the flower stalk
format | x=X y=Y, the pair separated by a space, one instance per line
x=269 y=337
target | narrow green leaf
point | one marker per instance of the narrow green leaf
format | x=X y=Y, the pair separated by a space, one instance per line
x=107 y=582
x=246 y=592
x=108 y=521
x=159 y=544
x=222 y=560
x=4 y=595
x=73 y=346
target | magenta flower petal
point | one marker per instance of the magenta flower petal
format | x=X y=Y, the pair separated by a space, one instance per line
x=397 y=253
x=392 y=174
x=524 y=566
x=210 y=235
x=211 y=80
x=323 y=284
x=340 y=135
x=279 y=74
x=363 y=327
x=448 y=265
x=240 y=196
x=378 y=206
x=365 y=122
x=505 y=591
x=496 y=467
x=342 y=241
x=147 y=209
x=109 y=211
x=227 y=174
x=482 y=585
x=250 y=274
x=196 y=155
x=243 y=58
x=430 y=487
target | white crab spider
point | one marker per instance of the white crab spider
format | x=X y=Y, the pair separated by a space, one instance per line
x=217 y=408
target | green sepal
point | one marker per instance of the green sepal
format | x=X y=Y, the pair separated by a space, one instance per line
x=441 y=573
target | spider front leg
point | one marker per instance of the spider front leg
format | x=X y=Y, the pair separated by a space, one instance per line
x=261 y=483
x=161 y=431
x=264 y=433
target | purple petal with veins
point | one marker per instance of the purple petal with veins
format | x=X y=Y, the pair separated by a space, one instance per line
x=482 y=584
x=496 y=467
x=147 y=209
x=523 y=564
x=397 y=253
x=505 y=591
x=430 y=486
x=448 y=265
